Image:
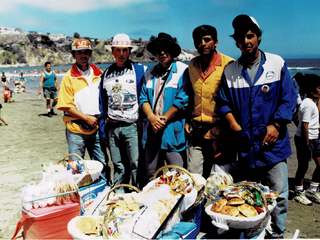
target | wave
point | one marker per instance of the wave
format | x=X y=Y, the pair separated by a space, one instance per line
x=303 y=68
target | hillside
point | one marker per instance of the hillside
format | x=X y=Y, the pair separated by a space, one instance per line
x=35 y=50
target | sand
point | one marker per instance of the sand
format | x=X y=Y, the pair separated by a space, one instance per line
x=31 y=139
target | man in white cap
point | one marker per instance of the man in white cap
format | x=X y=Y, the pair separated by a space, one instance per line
x=258 y=100
x=119 y=105
x=79 y=99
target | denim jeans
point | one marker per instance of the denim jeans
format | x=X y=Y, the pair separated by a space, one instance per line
x=79 y=143
x=124 y=151
x=276 y=177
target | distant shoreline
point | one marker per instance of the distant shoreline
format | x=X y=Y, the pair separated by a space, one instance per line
x=25 y=65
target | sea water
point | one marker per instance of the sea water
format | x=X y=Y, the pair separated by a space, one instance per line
x=294 y=65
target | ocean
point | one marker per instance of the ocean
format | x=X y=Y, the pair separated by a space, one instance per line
x=32 y=74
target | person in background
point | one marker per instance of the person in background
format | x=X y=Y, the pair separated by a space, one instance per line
x=79 y=100
x=1 y=117
x=258 y=100
x=50 y=85
x=203 y=124
x=3 y=80
x=307 y=141
x=164 y=99
x=7 y=95
x=297 y=78
x=22 y=80
x=119 y=106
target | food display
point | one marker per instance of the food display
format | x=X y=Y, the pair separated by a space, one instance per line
x=90 y=226
x=241 y=205
x=215 y=180
x=179 y=182
x=54 y=189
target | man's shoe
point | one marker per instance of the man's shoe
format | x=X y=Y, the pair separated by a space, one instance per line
x=49 y=114
x=313 y=196
x=52 y=113
x=301 y=198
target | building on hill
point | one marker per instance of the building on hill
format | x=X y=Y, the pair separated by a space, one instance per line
x=6 y=30
x=57 y=37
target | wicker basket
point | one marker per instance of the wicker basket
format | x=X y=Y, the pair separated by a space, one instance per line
x=199 y=189
x=123 y=185
x=87 y=179
x=251 y=226
x=110 y=209
x=254 y=231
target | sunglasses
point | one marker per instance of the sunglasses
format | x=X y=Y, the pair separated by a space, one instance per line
x=161 y=49
x=85 y=52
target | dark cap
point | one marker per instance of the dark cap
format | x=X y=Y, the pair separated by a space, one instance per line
x=242 y=23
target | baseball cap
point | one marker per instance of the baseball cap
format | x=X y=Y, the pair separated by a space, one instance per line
x=121 y=40
x=243 y=22
x=80 y=44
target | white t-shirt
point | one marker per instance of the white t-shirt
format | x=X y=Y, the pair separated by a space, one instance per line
x=308 y=113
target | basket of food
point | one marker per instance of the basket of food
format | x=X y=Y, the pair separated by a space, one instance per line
x=181 y=180
x=84 y=172
x=118 y=211
x=124 y=202
x=244 y=205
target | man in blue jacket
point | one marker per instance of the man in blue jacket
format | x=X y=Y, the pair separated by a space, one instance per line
x=164 y=98
x=258 y=99
x=119 y=106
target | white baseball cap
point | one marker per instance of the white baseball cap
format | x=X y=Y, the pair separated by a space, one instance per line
x=121 y=40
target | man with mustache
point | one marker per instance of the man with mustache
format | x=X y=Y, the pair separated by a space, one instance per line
x=203 y=123
x=258 y=100
x=79 y=99
x=119 y=105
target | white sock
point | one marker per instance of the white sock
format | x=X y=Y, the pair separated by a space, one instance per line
x=313 y=186
x=51 y=108
x=298 y=188
x=48 y=109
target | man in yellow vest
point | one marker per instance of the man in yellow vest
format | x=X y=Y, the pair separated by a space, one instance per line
x=203 y=123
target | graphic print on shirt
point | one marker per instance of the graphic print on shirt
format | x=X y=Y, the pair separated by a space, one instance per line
x=121 y=89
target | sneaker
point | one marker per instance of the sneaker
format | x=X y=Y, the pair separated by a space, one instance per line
x=313 y=196
x=301 y=198
x=52 y=113
x=49 y=114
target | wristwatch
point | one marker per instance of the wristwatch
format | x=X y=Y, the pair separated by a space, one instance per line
x=277 y=126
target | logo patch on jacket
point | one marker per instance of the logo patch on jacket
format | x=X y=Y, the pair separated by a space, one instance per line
x=265 y=88
x=270 y=75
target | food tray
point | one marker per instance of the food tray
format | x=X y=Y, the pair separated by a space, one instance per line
x=76 y=233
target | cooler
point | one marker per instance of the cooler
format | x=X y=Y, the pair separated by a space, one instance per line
x=48 y=222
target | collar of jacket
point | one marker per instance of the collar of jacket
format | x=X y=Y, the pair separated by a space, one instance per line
x=173 y=69
x=75 y=71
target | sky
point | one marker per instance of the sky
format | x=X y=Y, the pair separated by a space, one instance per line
x=291 y=28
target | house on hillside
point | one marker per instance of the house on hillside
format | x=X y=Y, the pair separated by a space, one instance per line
x=57 y=37
x=6 y=30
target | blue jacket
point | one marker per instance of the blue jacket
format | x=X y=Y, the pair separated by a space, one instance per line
x=255 y=106
x=103 y=97
x=175 y=94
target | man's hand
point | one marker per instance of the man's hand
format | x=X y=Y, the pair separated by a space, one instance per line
x=157 y=123
x=91 y=120
x=187 y=128
x=271 y=135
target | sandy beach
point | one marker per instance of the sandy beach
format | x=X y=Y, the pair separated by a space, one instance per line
x=31 y=139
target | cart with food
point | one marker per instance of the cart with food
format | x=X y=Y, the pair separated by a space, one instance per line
x=239 y=210
x=48 y=206
x=153 y=212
